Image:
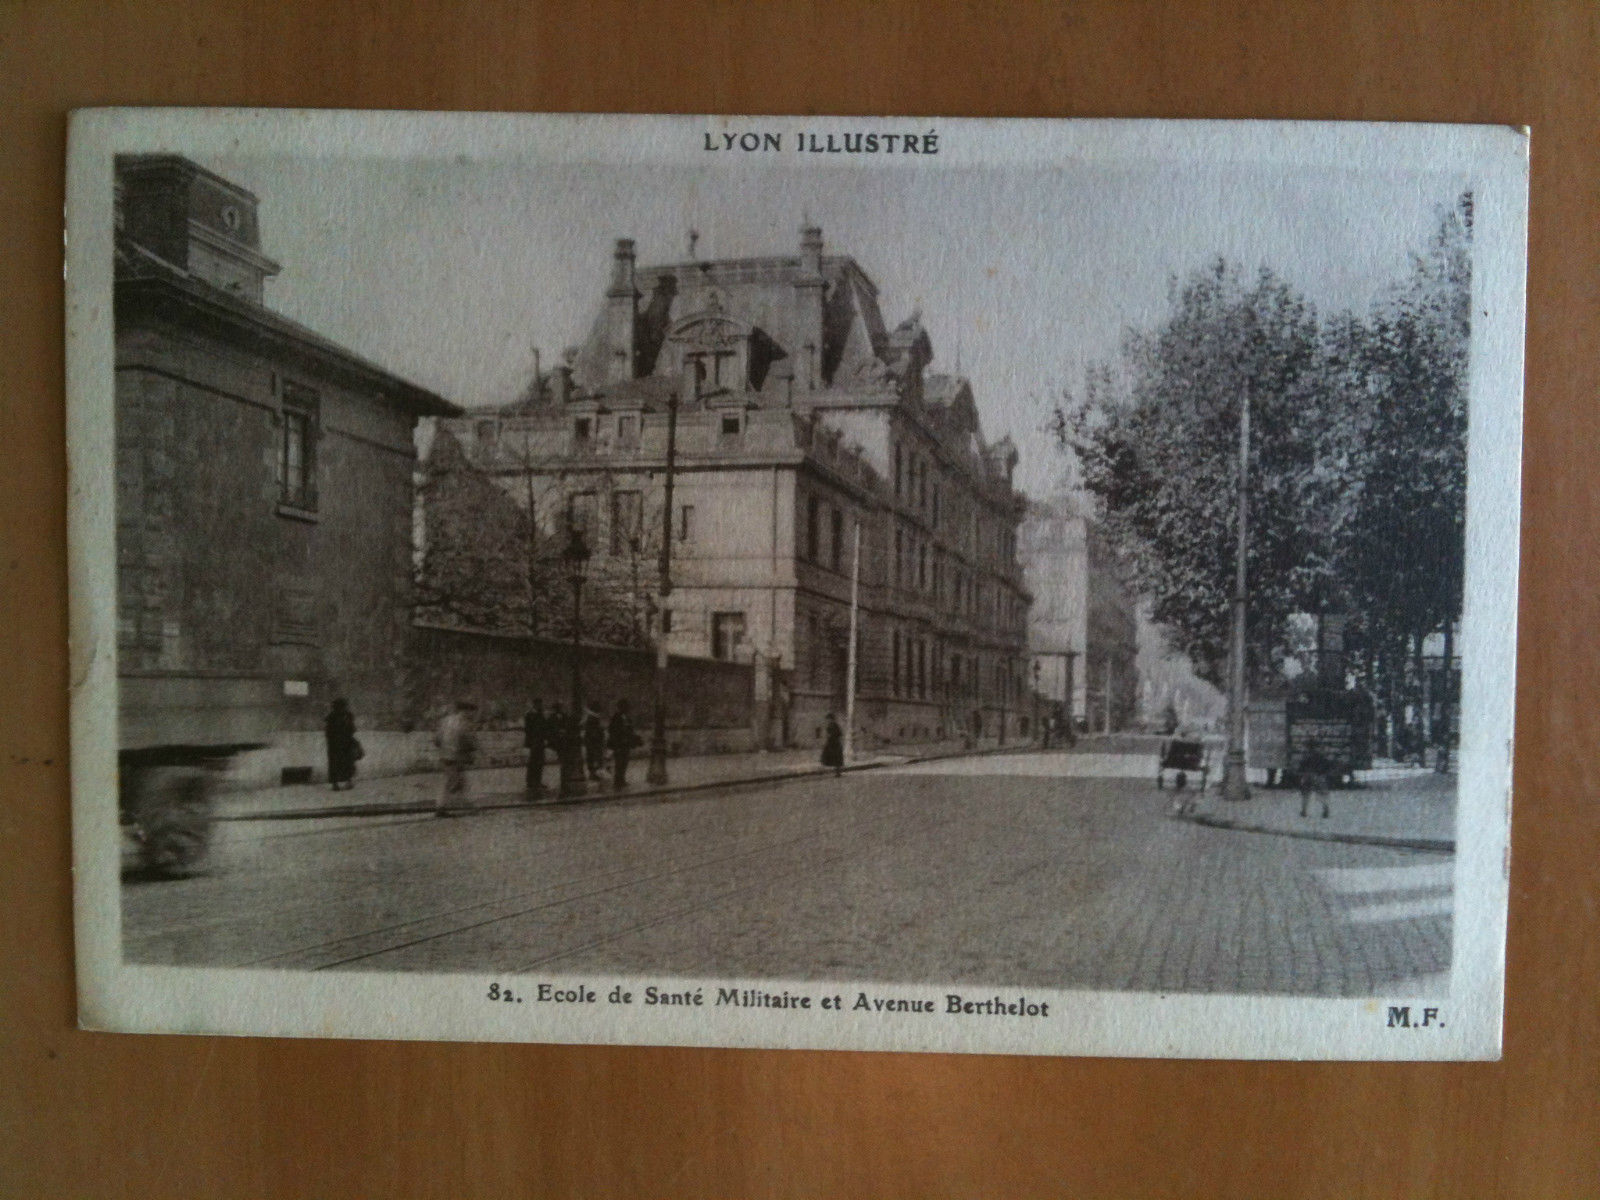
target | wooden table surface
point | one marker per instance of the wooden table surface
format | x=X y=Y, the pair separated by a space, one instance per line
x=96 y=1115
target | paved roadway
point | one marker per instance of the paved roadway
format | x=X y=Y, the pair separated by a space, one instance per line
x=983 y=876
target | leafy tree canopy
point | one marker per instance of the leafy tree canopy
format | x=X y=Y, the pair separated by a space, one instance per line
x=1356 y=472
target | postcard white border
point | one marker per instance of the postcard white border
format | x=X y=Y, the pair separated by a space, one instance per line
x=115 y=996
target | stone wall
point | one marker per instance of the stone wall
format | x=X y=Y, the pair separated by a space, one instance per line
x=216 y=577
x=710 y=705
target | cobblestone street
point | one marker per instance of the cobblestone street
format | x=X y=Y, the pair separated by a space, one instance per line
x=967 y=874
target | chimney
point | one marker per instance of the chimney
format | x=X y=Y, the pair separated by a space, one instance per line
x=808 y=285
x=622 y=312
x=811 y=249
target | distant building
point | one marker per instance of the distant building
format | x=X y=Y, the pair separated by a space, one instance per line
x=1170 y=690
x=801 y=417
x=1083 y=613
x=264 y=478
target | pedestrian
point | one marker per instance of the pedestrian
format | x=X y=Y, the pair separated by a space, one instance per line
x=1313 y=779
x=622 y=739
x=594 y=741
x=535 y=734
x=833 y=746
x=343 y=748
x=555 y=730
x=457 y=742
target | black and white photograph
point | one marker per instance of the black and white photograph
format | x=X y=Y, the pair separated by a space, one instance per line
x=1036 y=587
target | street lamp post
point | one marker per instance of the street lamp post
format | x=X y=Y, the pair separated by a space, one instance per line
x=576 y=559
x=1041 y=733
x=1068 y=697
x=1235 y=785
x=656 y=772
x=1005 y=686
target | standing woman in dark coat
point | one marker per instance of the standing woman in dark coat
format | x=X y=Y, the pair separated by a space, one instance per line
x=340 y=730
x=833 y=746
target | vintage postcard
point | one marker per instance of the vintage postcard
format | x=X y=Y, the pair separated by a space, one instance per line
x=1039 y=587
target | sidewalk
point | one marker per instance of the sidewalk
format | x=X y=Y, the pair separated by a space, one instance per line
x=502 y=787
x=1411 y=808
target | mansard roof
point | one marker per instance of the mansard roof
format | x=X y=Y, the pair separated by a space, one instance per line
x=760 y=294
x=764 y=309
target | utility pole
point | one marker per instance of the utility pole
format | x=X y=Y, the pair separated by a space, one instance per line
x=531 y=549
x=656 y=773
x=1235 y=785
x=850 y=653
x=1069 y=698
x=1005 y=688
x=1040 y=735
x=576 y=558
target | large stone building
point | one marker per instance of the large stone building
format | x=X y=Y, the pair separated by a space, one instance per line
x=264 y=479
x=1084 y=624
x=802 y=417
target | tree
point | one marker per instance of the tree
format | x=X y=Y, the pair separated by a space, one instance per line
x=1405 y=542
x=1157 y=444
x=490 y=554
x=1357 y=472
x=472 y=569
x=1404 y=551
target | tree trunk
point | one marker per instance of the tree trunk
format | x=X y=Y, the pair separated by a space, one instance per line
x=1424 y=715
x=1446 y=698
x=1393 y=656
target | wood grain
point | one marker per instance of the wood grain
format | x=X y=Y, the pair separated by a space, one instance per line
x=95 y=1115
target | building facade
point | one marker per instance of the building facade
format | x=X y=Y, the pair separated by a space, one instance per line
x=802 y=424
x=1084 y=625
x=264 y=479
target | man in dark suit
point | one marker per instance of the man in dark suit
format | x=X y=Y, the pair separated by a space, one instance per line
x=622 y=739
x=535 y=736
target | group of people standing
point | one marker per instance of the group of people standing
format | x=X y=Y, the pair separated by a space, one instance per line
x=581 y=741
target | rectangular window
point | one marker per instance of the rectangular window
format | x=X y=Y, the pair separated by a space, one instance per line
x=628 y=432
x=685 y=522
x=813 y=547
x=727 y=635
x=838 y=539
x=936 y=506
x=731 y=425
x=627 y=511
x=899 y=463
x=922 y=568
x=899 y=556
x=582 y=431
x=297 y=453
x=582 y=508
x=894 y=673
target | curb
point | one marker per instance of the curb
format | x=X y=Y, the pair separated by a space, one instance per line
x=491 y=804
x=1430 y=845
